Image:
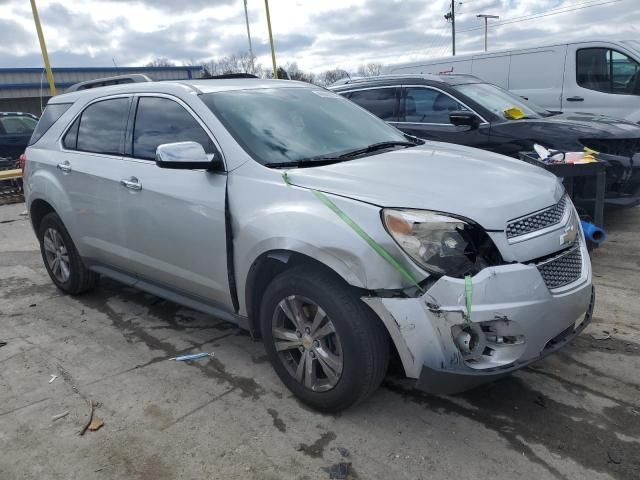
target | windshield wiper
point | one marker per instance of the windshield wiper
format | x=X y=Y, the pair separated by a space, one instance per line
x=305 y=162
x=376 y=146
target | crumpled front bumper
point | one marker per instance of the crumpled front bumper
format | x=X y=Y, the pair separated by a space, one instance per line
x=514 y=297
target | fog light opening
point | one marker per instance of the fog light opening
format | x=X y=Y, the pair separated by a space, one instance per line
x=466 y=340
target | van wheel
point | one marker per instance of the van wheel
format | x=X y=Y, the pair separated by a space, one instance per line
x=324 y=343
x=61 y=259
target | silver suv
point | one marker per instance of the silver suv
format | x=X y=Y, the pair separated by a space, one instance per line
x=294 y=213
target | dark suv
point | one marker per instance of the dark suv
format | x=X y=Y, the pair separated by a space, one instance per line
x=465 y=110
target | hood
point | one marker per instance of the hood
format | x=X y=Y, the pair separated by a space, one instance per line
x=588 y=125
x=485 y=187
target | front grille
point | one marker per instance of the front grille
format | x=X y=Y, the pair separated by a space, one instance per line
x=537 y=221
x=624 y=147
x=562 y=269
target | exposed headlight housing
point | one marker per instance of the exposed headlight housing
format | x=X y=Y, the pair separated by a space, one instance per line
x=441 y=244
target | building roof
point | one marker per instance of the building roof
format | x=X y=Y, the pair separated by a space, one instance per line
x=32 y=82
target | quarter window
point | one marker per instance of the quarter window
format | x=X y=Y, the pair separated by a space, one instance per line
x=159 y=121
x=381 y=102
x=50 y=116
x=101 y=128
x=425 y=105
x=608 y=71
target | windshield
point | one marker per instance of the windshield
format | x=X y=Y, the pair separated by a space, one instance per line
x=497 y=100
x=282 y=125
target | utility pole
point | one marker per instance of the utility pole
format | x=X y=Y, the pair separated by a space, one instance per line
x=273 y=48
x=451 y=17
x=246 y=17
x=486 y=20
x=43 y=48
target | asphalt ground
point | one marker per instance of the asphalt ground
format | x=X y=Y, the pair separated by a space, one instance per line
x=574 y=415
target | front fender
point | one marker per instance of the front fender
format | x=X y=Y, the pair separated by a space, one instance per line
x=276 y=216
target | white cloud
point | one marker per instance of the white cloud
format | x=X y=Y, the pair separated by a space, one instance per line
x=318 y=35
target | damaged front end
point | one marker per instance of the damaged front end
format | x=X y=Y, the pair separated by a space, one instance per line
x=520 y=312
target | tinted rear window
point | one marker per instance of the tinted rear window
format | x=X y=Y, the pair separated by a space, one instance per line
x=50 y=116
x=102 y=127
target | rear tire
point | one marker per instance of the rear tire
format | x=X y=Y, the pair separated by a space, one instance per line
x=311 y=316
x=61 y=258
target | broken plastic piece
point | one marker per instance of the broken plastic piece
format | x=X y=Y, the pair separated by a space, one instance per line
x=53 y=377
x=193 y=356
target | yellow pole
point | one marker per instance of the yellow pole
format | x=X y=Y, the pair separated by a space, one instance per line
x=43 y=47
x=273 y=48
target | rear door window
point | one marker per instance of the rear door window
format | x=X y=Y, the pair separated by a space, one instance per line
x=426 y=105
x=161 y=120
x=50 y=116
x=102 y=127
x=607 y=70
x=382 y=102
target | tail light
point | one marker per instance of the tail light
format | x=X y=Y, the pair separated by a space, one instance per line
x=22 y=160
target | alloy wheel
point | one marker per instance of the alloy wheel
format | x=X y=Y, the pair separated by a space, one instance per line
x=307 y=343
x=57 y=255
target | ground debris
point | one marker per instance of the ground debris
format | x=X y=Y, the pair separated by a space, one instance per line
x=59 y=416
x=96 y=424
x=343 y=452
x=84 y=429
x=614 y=457
x=339 y=471
x=604 y=335
x=2 y=343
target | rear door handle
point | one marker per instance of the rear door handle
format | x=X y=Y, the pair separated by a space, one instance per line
x=132 y=183
x=575 y=99
x=64 y=167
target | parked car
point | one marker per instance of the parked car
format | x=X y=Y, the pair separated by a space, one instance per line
x=295 y=214
x=465 y=110
x=15 y=130
x=595 y=76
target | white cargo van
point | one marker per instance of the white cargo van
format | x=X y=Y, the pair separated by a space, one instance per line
x=589 y=76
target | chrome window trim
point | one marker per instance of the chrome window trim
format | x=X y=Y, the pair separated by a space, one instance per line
x=66 y=129
x=483 y=120
x=135 y=96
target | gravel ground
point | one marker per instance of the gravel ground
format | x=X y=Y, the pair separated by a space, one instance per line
x=575 y=414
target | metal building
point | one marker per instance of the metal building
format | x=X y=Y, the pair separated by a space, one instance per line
x=27 y=89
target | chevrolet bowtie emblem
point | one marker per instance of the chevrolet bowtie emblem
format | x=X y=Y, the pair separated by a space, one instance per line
x=569 y=234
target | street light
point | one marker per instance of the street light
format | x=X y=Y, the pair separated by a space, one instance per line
x=486 y=18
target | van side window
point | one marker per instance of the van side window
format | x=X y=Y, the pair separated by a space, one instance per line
x=159 y=121
x=425 y=105
x=607 y=70
x=379 y=101
x=102 y=126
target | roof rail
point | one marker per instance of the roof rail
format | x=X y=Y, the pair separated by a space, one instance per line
x=232 y=75
x=103 y=82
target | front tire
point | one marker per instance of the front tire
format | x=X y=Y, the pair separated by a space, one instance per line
x=324 y=343
x=61 y=258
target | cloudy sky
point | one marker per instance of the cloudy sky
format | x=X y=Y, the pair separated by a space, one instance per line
x=317 y=34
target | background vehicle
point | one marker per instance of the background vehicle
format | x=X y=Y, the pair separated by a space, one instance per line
x=592 y=76
x=465 y=110
x=230 y=196
x=15 y=130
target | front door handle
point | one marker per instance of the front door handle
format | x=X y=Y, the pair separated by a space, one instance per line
x=64 y=167
x=132 y=183
x=575 y=99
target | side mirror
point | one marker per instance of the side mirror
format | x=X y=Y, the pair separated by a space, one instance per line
x=183 y=155
x=464 y=118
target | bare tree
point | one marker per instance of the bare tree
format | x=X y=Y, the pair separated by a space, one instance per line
x=241 y=62
x=332 y=76
x=161 y=62
x=294 y=73
x=370 y=70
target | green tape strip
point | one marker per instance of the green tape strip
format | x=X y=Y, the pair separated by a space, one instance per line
x=468 y=296
x=372 y=243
